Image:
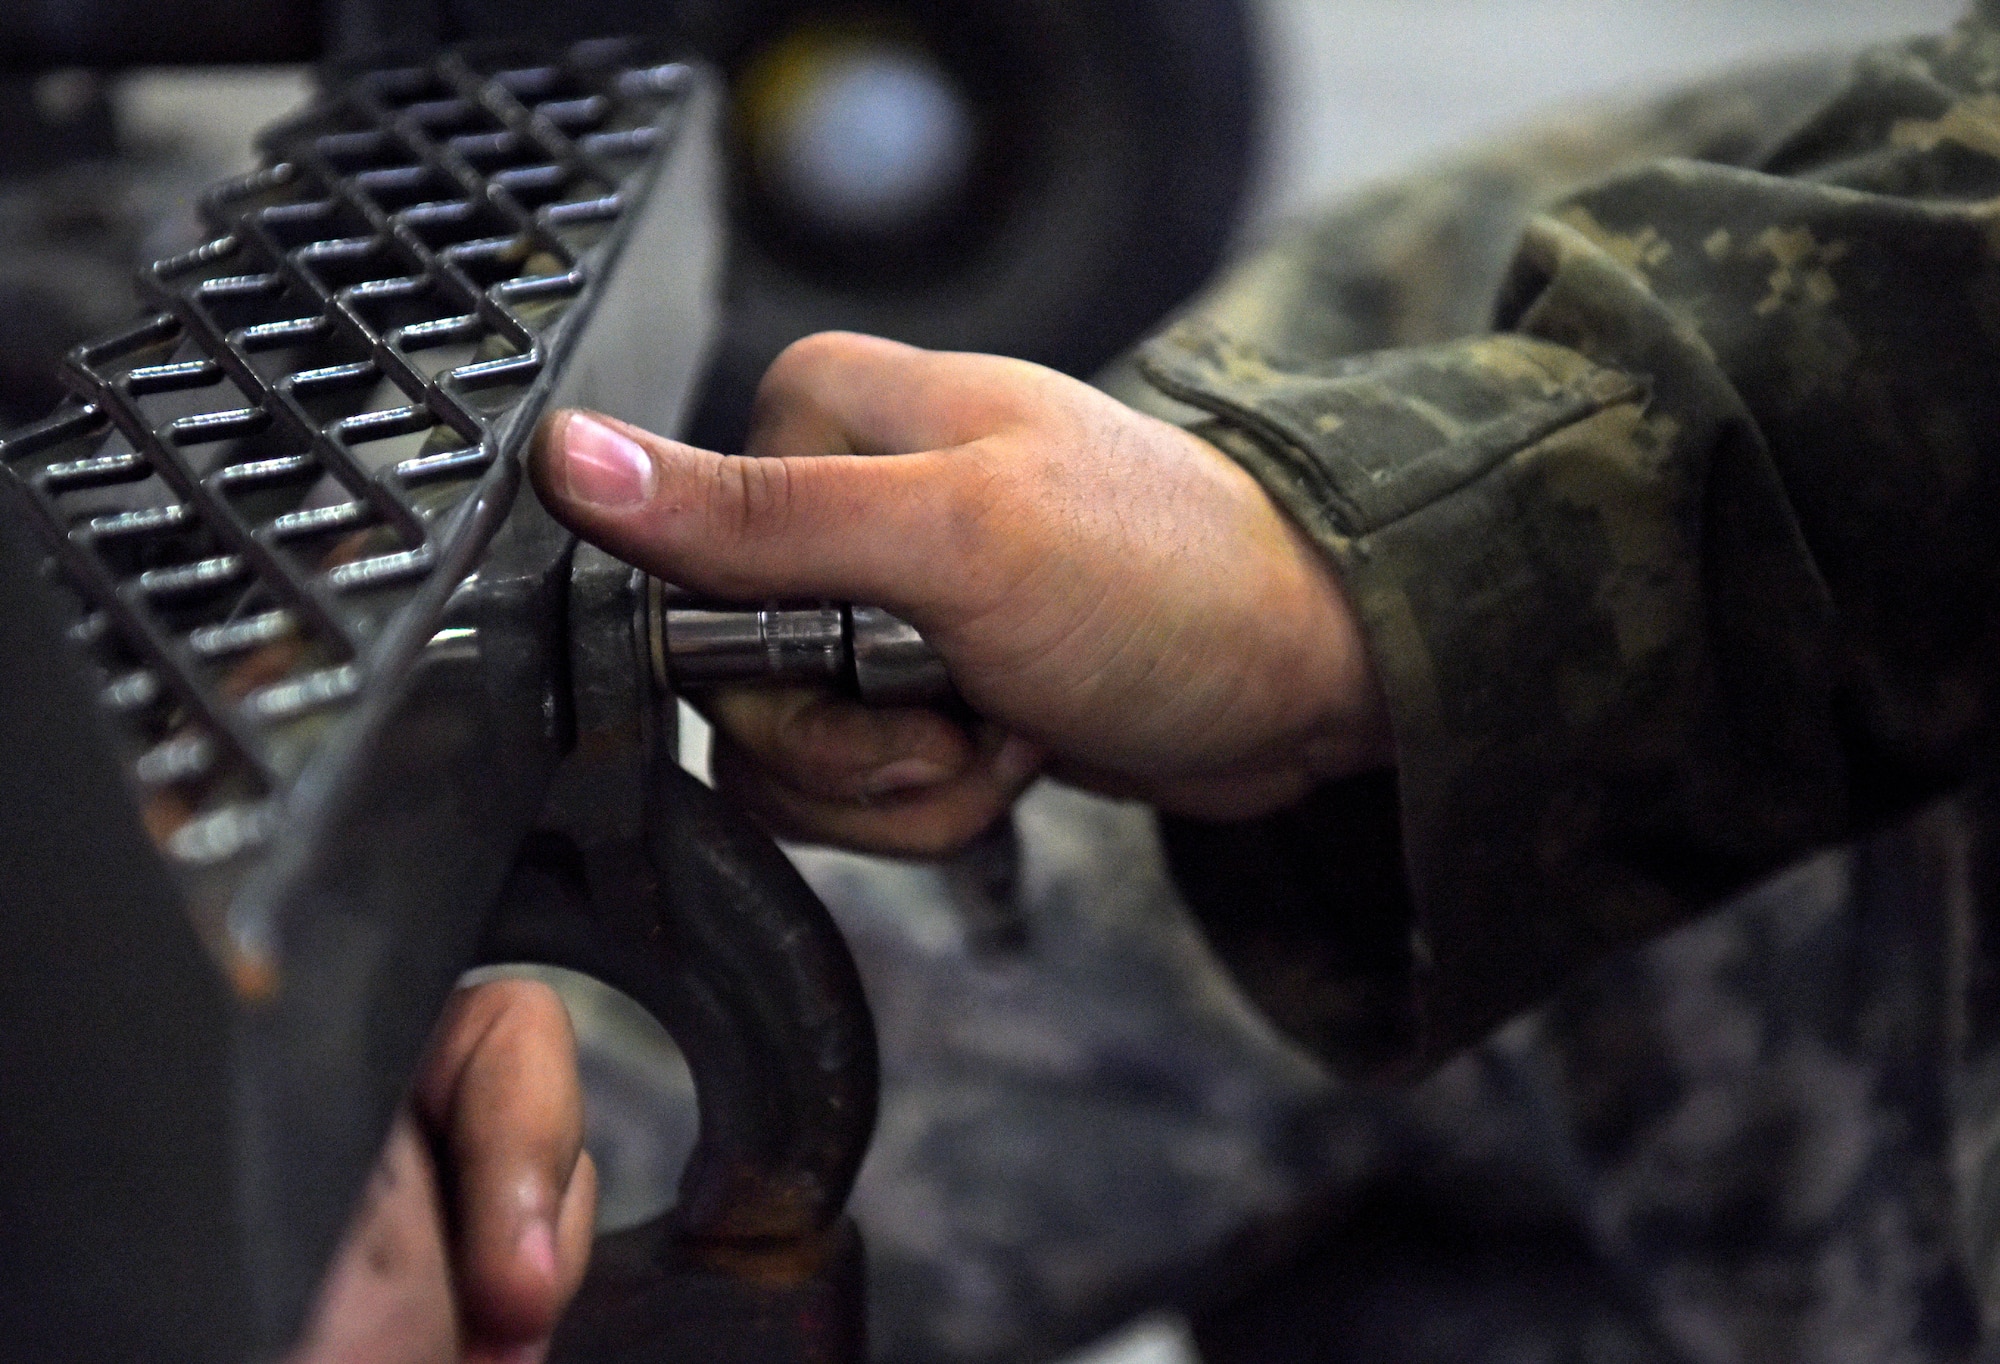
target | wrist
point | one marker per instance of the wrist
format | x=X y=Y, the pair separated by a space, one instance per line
x=1330 y=715
x=1347 y=730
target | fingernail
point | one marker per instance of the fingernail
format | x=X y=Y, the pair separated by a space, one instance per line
x=603 y=466
x=905 y=774
x=538 y=1246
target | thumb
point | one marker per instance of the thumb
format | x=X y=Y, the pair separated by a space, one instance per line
x=847 y=526
x=501 y=1094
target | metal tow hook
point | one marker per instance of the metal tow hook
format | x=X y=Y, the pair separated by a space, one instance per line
x=704 y=922
x=646 y=879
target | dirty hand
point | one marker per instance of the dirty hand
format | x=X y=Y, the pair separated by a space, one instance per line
x=1115 y=598
x=484 y=1280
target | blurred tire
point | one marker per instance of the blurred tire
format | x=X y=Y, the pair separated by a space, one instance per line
x=1114 y=143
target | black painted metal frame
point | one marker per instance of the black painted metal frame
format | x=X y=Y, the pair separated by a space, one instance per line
x=332 y=646
x=390 y=282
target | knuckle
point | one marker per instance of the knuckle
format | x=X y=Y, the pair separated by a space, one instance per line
x=800 y=365
x=522 y=1020
x=748 y=715
x=534 y=1006
x=809 y=351
x=751 y=497
x=762 y=725
x=969 y=488
x=829 y=734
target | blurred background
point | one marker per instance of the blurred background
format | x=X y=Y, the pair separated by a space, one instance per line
x=1335 y=93
x=994 y=1239
x=1361 y=88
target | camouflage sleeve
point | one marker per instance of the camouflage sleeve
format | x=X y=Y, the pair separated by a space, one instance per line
x=1688 y=563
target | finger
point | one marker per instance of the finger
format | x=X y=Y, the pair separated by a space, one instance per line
x=927 y=822
x=501 y=1091
x=575 y=1226
x=839 y=393
x=829 y=748
x=748 y=528
x=387 y=1298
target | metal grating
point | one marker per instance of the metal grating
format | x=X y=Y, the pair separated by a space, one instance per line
x=251 y=487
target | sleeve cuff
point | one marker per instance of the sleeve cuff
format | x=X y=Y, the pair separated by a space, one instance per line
x=1531 y=533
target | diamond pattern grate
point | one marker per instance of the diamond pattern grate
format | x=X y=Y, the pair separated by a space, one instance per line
x=249 y=485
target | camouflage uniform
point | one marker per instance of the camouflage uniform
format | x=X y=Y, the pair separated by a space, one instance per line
x=1672 y=527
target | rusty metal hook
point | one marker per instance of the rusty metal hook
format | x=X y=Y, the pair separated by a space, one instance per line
x=704 y=922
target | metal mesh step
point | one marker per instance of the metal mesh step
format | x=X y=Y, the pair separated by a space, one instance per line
x=251 y=489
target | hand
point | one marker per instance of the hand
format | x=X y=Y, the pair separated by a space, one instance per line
x=499 y=1098
x=1115 y=597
